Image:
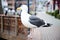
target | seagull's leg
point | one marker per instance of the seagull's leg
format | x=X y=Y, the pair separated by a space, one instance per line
x=30 y=36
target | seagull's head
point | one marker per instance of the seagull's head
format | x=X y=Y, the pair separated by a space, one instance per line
x=24 y=8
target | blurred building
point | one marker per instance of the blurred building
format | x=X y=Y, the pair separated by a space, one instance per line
x=11 y=3
x=4 y=3
x=55 y=4
x=1 y=10
x=19 y=2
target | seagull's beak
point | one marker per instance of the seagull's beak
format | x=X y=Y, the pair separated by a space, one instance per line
x=19 y=8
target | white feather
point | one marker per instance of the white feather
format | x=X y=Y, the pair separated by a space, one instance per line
x=25 y=17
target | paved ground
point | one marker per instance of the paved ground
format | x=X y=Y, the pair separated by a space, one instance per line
x=47 y=33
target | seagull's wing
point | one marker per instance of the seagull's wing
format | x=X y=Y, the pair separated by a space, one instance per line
x=36 y=21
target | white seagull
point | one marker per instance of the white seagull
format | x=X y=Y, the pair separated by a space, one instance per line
x=30 y=21
x=25 y=17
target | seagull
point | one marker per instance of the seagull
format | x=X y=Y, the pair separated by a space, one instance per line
x=30 y=21
x=25 y=17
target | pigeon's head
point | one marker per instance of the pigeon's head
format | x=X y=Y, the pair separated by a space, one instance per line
x=24 y=8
